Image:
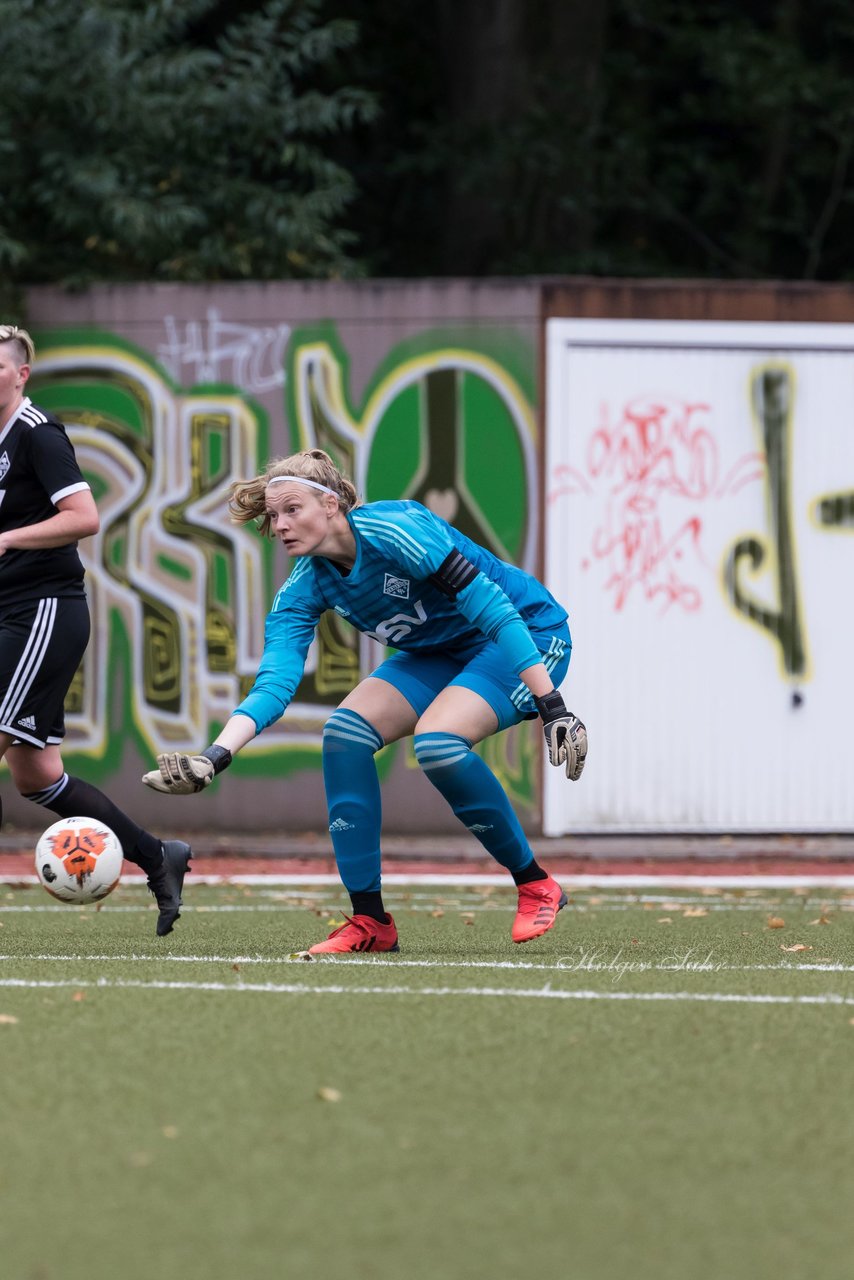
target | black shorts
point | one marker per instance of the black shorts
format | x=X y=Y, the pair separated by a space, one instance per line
x=41 y=644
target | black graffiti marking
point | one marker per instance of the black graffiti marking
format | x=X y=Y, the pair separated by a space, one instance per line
x=772 y=397
x=836 y=511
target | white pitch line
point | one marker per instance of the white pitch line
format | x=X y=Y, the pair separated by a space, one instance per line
x=541 y=993
x=115 y=909
x=469 y=908
x=602 y=880
x=571 y=965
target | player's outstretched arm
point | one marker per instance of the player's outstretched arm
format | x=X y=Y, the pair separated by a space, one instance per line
x=565 y=734
x=179 y=774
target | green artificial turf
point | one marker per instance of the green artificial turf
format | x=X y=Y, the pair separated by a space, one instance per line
x=443 y=1113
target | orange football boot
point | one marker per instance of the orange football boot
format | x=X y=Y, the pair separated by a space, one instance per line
x=539 y=903
x=360 y=933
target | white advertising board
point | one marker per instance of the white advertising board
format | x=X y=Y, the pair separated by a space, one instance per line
x=699 y=491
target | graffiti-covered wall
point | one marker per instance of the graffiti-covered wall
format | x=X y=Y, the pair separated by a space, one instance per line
x=690 y=502
x=169 y=394
x=700 y=497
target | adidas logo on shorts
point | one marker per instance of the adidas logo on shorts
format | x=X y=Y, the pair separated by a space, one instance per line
x=27 y=722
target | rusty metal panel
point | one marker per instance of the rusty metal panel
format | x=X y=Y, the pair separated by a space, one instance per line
x=776 y=301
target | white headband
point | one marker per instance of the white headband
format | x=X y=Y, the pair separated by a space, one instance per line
x=312 y=484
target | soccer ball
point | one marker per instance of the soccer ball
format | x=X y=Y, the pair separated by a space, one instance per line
x=79 y=860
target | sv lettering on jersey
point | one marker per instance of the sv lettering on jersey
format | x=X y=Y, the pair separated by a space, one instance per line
x=392 y=630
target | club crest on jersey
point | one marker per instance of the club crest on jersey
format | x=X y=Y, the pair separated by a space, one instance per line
x=5 y=464
x=398 y=587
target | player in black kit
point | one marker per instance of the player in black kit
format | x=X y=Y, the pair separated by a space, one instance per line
x=45 y=507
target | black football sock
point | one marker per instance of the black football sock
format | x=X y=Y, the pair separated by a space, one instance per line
x=71 y=797
x=369 y=904
x=529 y=873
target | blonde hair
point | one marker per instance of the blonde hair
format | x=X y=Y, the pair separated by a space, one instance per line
x=23 y=345
x=247 y=499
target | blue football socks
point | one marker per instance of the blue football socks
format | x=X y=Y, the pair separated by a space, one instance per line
x=353 y=798
x=475 y=795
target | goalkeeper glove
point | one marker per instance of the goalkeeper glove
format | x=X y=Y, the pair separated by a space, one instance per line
x=566 y=735
x=180 y=775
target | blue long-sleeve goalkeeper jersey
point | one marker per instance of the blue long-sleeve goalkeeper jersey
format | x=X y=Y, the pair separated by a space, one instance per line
x=395 y=593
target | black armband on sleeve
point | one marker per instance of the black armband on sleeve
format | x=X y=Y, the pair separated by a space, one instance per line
x=454 y=573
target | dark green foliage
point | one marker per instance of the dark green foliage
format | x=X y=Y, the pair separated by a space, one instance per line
x=610 y=137
x=180 y=139
x=732 y=126
x=203 y=140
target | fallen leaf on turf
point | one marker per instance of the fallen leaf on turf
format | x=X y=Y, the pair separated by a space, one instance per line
x=664 y=920
x=797 y=946
x=776 y=922
x=236 y=968
x=7 y=1019
x=820 y=920
x=328 y=1094
x=471 y=922
x=437 y=915
x=695 y=911
x=79 y=995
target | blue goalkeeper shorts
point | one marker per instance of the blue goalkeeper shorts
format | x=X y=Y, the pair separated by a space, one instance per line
x=420 y=677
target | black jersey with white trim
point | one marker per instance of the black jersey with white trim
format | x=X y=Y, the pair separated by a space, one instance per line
x=38 y=467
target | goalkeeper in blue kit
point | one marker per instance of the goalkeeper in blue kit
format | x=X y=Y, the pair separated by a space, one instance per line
x=480 y=645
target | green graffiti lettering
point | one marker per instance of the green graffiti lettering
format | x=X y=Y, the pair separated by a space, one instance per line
x=179 y=595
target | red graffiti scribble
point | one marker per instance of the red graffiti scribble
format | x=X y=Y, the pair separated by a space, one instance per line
x=568 y=483
x=655 y=447
x=643 y=556
x=654 y=451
